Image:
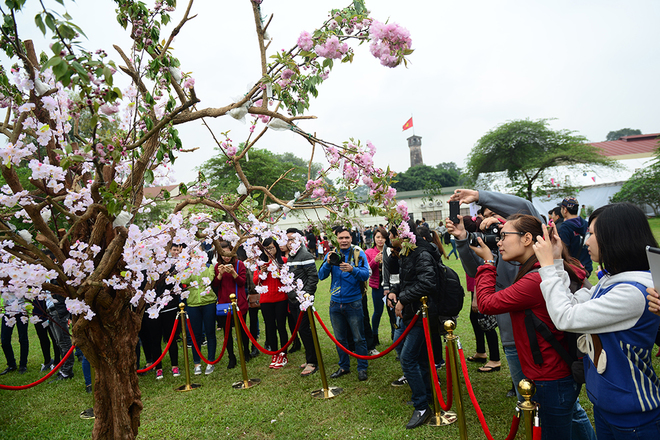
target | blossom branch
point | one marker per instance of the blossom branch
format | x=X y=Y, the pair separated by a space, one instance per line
x=177 y=29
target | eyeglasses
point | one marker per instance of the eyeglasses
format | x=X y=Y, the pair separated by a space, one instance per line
x=503 y=234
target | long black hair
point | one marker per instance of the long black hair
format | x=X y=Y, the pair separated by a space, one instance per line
x=529 y=223
x=622 y=233
x=265 y=256
x=225 y=246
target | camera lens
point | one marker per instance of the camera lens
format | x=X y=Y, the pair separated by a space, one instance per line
x=334 y=259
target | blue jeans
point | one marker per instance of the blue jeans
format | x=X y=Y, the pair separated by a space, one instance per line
x=198 y=316
x=377 y=295
x=397 y=334
x=415 y=365
x=87 y=370
x=343 y=317
x=557 y=400
x=453 y=250
x=514 y=367
x=608 y=431
x=581 y=428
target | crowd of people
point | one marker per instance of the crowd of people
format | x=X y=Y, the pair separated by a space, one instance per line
x=527 y=276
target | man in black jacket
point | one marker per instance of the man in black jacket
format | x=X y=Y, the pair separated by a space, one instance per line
x=303 y=266
x=417 y=278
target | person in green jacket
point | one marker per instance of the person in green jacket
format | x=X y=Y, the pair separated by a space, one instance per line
x=201 y=312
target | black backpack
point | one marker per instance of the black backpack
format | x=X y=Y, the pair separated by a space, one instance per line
x=572 y=356
x=449 y=300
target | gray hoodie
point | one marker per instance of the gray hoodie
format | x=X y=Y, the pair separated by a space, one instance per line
x=618 y=310
x=506 y=205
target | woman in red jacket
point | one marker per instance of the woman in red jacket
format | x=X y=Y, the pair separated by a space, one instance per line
x=556 y=391
x=274 y=302
x=230 y=277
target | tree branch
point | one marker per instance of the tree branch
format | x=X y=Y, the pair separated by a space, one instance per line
x=177 y=29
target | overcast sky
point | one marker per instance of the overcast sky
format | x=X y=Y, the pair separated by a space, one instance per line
x=590 y=64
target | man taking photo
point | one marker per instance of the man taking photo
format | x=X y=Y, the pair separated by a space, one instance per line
x=346 y=299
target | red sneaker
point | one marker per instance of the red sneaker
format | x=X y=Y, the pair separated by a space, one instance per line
x=281 y=361
x=273 y=361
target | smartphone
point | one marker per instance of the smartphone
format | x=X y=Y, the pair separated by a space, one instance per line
x=653 y=254
x=453 y=212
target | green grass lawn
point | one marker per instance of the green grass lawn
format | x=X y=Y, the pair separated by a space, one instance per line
x=280 y=408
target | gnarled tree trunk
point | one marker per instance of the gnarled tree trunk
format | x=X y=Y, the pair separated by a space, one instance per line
x=109 y=342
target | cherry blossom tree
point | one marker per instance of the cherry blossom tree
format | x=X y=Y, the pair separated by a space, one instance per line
x=77 y=236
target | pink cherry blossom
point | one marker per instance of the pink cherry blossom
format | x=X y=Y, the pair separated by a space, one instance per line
x=305 y=41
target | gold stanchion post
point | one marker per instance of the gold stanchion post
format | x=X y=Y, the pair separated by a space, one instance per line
x=454 y=343
x=184 y=336
x=245 y=383
x=440 y=417
x=326 y=392
x=527 y=389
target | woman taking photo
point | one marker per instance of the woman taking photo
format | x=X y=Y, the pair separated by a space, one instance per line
x=274 y=302
x=619 y=329
x=556 y=391
x=200 y=308
x=375 y=260
x=230 y=276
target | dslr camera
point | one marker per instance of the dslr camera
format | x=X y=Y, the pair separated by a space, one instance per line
x=334 y=259
x=490 y=236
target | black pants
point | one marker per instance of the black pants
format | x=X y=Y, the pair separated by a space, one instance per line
x=45 y=336
x=158 y=331
x=490 y=336
x=254 y=322
x=305 y=332
x=292 y=318
x=5 y=336
x=230 y=341
x=60 y=328
x=275 y=322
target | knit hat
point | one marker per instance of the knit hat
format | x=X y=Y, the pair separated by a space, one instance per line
x=569 y=202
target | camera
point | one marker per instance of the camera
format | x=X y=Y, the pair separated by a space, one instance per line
x=334 y=259
x=490 y=236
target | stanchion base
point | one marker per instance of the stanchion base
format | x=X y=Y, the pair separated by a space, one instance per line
x=187 y=387
x=245 y=384
x=327 y=393
x=443 y=418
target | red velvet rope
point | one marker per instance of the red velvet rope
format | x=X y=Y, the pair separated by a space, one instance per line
x=514 y=423
x=436 y=383
x=359 y=356
x=50 y=373
x=263 y=350
x=536 y=433
x=144 y=370
x=224 y=344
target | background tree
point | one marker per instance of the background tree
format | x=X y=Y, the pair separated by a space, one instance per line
x=424 y=177
x=526 y=150
x=263 y=168
x=643 y=187
x=89 y=181
x=614 y=135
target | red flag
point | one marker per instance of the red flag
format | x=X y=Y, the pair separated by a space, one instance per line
x=407 y=125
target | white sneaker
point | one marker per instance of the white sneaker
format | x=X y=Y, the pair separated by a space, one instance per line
x=373 y=352
x=273 y=361
x=198 y=370
x=209 y=369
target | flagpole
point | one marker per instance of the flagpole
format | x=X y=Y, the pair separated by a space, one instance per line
x=411 y=116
